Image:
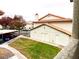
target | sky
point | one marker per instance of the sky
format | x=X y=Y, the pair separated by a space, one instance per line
x=28 y=8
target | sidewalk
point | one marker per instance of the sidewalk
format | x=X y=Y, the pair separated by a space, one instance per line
x=17 y=54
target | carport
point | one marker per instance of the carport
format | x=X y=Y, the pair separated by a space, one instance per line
x=6 y=35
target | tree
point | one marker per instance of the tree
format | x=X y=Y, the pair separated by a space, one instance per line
x=5 y=21
x=17 y=23
x=1 y=12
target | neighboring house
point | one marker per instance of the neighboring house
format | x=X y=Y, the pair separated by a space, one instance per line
x=51 y=34
x=65 y=23
x=52 y=19
x=51 y=28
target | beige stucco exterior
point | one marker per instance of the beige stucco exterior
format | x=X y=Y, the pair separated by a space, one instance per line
x=48 y=34
x=64 y=25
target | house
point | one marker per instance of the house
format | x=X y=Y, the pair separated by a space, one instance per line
x=62 y=22
x=51 y=34
x=52 y=19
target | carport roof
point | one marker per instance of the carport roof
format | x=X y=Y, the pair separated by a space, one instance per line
x=7 y=31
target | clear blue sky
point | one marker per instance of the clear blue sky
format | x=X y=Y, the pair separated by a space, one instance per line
x=28 y=8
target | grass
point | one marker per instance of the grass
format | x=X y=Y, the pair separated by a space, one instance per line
x=35 y=50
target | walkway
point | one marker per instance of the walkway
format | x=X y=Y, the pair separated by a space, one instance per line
x=17 y=54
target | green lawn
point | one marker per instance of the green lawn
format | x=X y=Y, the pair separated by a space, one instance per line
x=35 y=50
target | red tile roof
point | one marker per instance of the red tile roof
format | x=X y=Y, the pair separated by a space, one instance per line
x=52 y=15
x=55 y=20
x=60 y=19
x=56 y=28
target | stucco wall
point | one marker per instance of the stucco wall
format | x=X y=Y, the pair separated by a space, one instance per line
x=65 y=25
x=45 y=33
